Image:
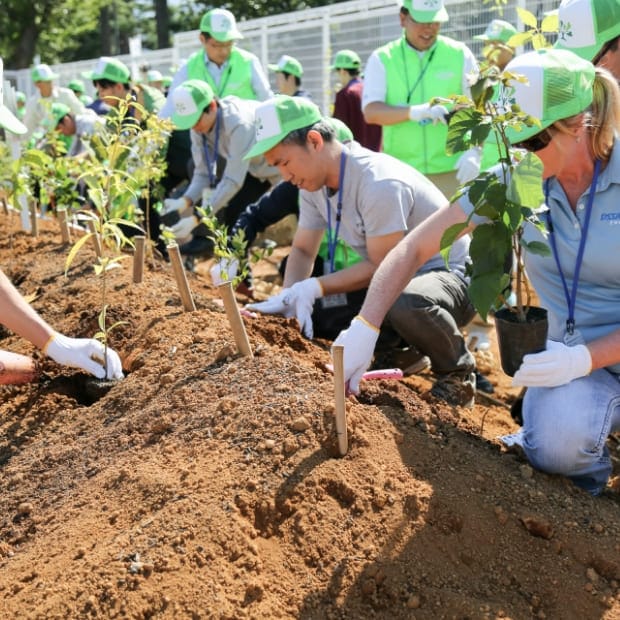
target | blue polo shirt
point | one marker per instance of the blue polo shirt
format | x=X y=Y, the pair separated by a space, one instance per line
x=597 y=307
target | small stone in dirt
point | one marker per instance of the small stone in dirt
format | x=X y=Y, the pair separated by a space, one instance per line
x=538 y=527
x=166 y=379
x=270 y=444
x=526 y=471
x=290 y=446
x=300 y=424
x=24 y=509
x=413 y=602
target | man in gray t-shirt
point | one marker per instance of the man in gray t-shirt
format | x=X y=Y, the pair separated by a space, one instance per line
x=370 y=201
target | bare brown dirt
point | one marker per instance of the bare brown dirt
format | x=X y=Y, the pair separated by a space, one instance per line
x=206 y=485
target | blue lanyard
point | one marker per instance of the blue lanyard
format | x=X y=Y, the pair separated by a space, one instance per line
x=212 y=163
x=571 y=297
x=333 y=240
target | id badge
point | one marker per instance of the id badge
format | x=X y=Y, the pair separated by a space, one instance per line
x=570 y=340
x=336 y=300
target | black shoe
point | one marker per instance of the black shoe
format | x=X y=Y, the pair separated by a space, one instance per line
x=199 y=247
x=483 y=384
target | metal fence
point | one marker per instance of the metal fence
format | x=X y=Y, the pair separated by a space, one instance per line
x=313 y=36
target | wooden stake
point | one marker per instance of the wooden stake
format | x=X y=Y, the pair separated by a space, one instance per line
x=96 y=237
x=341 y=411
x=181 y=278
x=234 y=318
x=138 y=259
x=64 y=226
x=34 y=223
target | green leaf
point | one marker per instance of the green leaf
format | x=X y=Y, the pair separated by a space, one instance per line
x=520 y=39
x=484 y=290
x=75 y=249
x=550 y=23
x=528 y=18
x=449 y=237
x=527 y=182
x=539 y=41
x=461 y=124
x=537 y=247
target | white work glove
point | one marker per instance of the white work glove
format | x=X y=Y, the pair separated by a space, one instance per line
x=558 y=365
x=296 y=301
x=224 y=270
x=173 y=204
x=468 y=165
x=428 y=112
x=207 y=192
x=85 y=353
x=359 y=342
x=183 y=228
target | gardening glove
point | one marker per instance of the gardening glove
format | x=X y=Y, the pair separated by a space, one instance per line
x=296 y=301
x=558 y=365
x=359 y=342
x=426 y=112
x=183 y=228
x=224 y=270
x=468 y=165
x=170 y=213
x=85 y=353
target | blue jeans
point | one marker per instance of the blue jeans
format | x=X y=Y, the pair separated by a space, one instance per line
x=565 y=428
x=428 y=314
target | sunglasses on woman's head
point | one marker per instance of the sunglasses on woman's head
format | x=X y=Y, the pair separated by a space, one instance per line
x=536 y=142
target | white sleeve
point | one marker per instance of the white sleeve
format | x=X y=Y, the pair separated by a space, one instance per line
x=375 y=87
x=470 y=70
x=260 y=82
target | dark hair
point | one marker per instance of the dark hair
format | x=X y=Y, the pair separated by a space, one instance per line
x=610 y=46
x=109 y=83
x=300 y=136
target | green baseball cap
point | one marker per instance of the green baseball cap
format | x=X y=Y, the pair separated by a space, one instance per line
x=346 y=59
x=426 y=11
x=559 y=85
x=20 y=97
x=166 y=80
x=59 y=111
x=497 y=30
x=288 y=64
x=76 y=86
x=109 y=69
x=586 y=25
x=343 y=133
x=277 y=117
x=43 y=73
x=221 y=25
x=190 y=100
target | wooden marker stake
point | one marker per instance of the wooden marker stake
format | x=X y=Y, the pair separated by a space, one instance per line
x=64 y=226
x=234 y=318
x=138 y=259
x=96 y=238
x=34 y=222
x=181 y=278
x=341 y=411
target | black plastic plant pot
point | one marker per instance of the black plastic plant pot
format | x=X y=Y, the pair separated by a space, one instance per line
x=516 y=339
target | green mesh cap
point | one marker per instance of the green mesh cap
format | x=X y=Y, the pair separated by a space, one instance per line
x=20 y=97
x=497 y=30
x=277 y=117
x=288 y=64
x=77 y=86
x=109 y=69
x=59 y=111
x=221 y=25
x=586 y=25
x=43 y=73
x=343 y=133
x=559 y=86
x=426 y=11
x=346 y=59
x=190 y=100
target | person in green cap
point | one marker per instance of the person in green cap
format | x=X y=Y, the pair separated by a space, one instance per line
x=77 y=86
x=20 y=103
x=572 y=403
x=288 y=72
x=76 y=128
x=400 y=80
x=348 y=103
x=228 y=69
x=496 y=37
x=591 y=29
x=220 y=128
x=371 y=201
x=38 y=106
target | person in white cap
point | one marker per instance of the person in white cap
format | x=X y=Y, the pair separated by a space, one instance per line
x=371 y=201
x=591 y=29
x=18 y=316
x=228 y=69
x=400 y=80
x=572 y=403
x=38 y=106
x=288 y=72
x=219 y=128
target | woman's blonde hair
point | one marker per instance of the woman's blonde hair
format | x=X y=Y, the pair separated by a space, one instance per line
x=602 y=117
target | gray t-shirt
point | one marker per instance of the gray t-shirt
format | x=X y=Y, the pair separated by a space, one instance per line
x=597 y=305
x=235 y=137
x=381 y=195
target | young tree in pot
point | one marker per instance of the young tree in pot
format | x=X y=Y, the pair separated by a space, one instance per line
x=504 y=201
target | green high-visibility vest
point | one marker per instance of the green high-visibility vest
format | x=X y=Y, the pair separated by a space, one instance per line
x=236 y=78
x=412 y=79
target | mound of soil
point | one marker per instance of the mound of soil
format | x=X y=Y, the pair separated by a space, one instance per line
x=207 y=484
